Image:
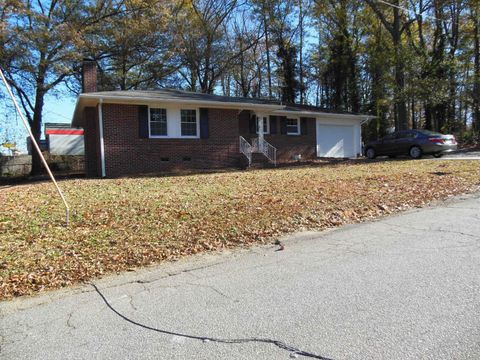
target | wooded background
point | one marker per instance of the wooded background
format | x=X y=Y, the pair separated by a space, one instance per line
x=411 y=63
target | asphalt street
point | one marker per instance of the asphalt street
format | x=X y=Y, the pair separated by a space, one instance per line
x=462 y=155
x=403 y=287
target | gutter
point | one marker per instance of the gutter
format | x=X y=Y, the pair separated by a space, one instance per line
x=147 y=100
x=102 y=145
x=322 y=115
x=367 y=120
x=92 y=99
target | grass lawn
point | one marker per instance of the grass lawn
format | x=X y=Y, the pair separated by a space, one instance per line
x=121 y=224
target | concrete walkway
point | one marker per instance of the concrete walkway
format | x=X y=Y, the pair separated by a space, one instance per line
x=404 y=287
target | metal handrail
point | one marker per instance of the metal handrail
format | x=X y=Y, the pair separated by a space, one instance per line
x=246 y=149
x=267 y=149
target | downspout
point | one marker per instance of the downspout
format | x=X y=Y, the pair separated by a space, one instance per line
x=367 y=119
x=100 y=127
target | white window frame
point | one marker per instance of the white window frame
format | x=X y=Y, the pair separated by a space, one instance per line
x=266 y=119
x=174 y=122
x=299 y=131
x=149 y=122
x=197 y=118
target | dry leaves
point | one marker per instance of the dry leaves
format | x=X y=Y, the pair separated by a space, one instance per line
x=121 y=224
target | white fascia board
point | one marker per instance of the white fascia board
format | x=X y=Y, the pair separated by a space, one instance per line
x=320 y=115
x=92 y=99
x=151 y=100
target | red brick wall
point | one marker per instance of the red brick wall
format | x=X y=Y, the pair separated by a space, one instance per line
x=127 y=153
x=92 y=144
x=287 y=145
x=89 y=76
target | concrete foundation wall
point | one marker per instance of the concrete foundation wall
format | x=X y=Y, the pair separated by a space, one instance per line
x=20 y=166
x=15 y=165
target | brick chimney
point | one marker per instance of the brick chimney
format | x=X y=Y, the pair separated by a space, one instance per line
x=89 y=76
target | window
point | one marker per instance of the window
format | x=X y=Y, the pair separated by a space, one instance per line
x=405 y=135
x=266 y=125
x=428 y=133
x=293 y=126
x=158 y=122
x=188 y=122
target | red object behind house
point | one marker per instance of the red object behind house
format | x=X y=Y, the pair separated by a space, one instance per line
x=64 y=132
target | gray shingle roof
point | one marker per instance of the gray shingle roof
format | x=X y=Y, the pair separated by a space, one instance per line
x=179 y=96
x=168 y=94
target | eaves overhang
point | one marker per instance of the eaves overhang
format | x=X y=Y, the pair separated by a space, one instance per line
x=93 y=99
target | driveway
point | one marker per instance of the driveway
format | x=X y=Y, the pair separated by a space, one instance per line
x=404 y=287
x=463 y=155
x=457 y=155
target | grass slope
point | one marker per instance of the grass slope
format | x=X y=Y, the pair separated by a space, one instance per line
x=121 y=224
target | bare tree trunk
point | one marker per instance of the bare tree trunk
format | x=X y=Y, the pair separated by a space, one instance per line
x=476 y=77
x=465 y=116
x=399 y=71
x=123 y=80
x=414 y=121
x=428 y=117
x=302 y=86
x=37 y=130
x=267 y=50
x=243 y=81
x=396 y=29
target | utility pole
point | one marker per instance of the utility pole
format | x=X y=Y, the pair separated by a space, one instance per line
x=37 y=148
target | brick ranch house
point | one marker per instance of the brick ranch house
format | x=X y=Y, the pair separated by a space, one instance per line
x=135 y=132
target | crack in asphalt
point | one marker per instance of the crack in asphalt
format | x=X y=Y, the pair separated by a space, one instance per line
x=440 y=230
x=130 y=301
x=461 y=208
x=49 y=299
x=23 y=336
x=69 y=321
x=336 y=249
x=294 y=352
x=147 y=289
x=19 y=323
x=259 y=266
x=168 y=275
x=211 y=287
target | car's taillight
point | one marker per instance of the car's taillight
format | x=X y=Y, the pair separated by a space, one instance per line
x=436 y=140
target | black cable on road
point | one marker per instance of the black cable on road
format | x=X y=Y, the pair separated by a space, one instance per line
x=278 y=343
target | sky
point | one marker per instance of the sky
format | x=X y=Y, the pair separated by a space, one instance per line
x=57 y=109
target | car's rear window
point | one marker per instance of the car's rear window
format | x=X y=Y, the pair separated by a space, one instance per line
x=429 y=133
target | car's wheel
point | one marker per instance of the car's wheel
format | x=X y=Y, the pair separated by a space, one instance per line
x=438 y=155
x=415 y=152
x=371 y=154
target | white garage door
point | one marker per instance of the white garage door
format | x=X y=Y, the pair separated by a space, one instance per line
x=335 y=141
